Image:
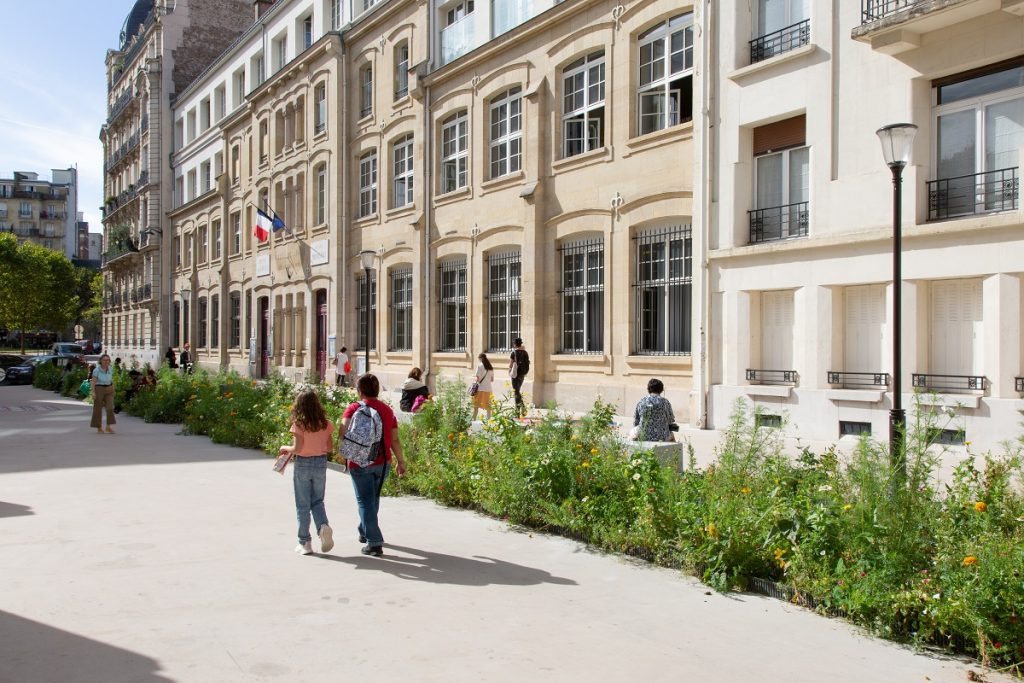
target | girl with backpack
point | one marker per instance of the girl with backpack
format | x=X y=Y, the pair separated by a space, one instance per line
x=368 y=437
x=310 y=449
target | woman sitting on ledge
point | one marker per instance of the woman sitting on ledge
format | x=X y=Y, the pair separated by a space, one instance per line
x=653 y=416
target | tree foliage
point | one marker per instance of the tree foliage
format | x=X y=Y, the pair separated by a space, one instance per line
x=37 y=287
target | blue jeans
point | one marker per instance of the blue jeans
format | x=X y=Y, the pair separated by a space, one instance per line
x=367 y=483
x=310 y=479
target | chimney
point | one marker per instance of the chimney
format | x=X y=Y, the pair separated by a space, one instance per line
x=261 y=7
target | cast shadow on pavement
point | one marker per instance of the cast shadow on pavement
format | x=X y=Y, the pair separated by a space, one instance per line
x=14 y=510
x=434 y=567
x=37 y=652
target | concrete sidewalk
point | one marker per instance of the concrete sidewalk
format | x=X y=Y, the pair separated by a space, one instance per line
x=151 y=556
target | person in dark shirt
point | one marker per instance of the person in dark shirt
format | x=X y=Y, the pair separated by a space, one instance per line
x=518 y=367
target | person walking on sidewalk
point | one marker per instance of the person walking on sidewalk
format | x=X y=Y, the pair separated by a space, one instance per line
x=518 y=367
x=484 y=379
x=372 y=435
x=344 y=366
x=310 y=449
x=103 y=395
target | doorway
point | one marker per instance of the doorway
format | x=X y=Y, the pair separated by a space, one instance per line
x=321 y=334
x=264 y=336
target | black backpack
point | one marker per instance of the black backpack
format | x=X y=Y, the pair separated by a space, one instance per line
x=522 y=362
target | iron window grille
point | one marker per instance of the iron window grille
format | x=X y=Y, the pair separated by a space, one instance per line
x=783 y=40
x=235 y=335
x=973 y=194
x=952 y=384
x=782 y=377
x=215 y=320
x=361 y=310
x=455 y=152
x=201 y=313
x=504 y=305
x=453 y=303
x=401 y=309
x=855 y=380
x=506 y=133
x=663 y=291
x=368 y=184
x=779 y=222
x=582 y=295
x=583 y=105
x=665 y=91
x=873 y=10
x=403 y=171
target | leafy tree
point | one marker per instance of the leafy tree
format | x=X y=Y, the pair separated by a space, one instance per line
x=37 y=287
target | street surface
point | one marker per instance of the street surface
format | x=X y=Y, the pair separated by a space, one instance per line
x=151 y=556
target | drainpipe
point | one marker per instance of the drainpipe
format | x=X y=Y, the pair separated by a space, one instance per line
x=428 y=196
x=709 y=88
x=342 y=162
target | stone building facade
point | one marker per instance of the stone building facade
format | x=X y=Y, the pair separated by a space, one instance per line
x=44 y=212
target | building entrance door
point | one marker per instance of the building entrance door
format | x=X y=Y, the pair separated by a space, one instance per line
x=264 y=338
x=321 y=334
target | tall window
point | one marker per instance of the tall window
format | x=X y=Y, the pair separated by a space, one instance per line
x=236 y=233
x=320 y=107
x=507 y=14
x=504 y=311
x=583 y=297
x=321 y=195
x=453 y=306
x=782 y=167
x=201 y=313
x=665 y=91
x=368 y=184
x=459 y=11
x=662 y=288
x=361 y=310
x=175 y=324
x=775 y=15
x=402 y=171
x=215 y=228
x=215 y=320
x=235 y=337
x=401 y=309
x=979 y=133
x=506 y=132
x=455 y=152
x=264 y=140
x=401 y=70
x=366 y=91
x=583 y=105
x=281 y=52
x=203 y=246
x=236 y=164
x=307 y=32
x=335 y=14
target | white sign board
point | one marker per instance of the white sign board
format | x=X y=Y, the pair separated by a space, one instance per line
x=318 y=250
x=262 y=265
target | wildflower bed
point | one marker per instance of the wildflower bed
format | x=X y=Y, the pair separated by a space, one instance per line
x=902 y=555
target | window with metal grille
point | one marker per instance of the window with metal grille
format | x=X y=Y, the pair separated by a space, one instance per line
x=506 y=133
x=453 y=306
x=504 y=305
x=401 y=309
x=201 y=312
x=583 y=297
x=662 y=291
x=236 y=320
x=361 y=310
x=402 y=171
x=215 y=320
x=368 y=184
x=583 y=105
x=455 y=152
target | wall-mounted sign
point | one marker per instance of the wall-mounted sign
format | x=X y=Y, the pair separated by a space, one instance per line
x=262 y=265
x=318 y=250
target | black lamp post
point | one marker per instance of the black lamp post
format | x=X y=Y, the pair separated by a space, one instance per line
x=897 y=141
x=366 y=258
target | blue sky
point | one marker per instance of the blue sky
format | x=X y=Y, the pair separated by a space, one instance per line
x=54 y=89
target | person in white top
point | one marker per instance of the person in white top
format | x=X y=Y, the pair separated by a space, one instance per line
x=485 y=379
x=341 y=372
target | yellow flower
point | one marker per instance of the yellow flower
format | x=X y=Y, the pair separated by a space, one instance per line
x=779 y=557
x=847 y=506
x=579 y=447
x=970 y=561
x=712 y=530
x=745 y=490
x=451 y=437
x=593 y=451
x=585 y=464
x=980 y=506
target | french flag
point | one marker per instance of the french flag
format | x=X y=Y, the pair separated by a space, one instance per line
x=263 y=226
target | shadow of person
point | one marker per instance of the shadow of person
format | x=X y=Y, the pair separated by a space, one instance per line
x=14 y=510
x=433 y=567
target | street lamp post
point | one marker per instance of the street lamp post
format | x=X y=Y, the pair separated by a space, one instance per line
x=897 y=141
x=366 y=258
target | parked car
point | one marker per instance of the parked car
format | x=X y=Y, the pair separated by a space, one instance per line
x=67 y=349
x=8 y=360
x=91 y=347
x=23 y=373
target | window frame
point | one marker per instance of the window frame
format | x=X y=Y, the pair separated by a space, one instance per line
x=584 y=67
x=202 y=310
x=321 y=194
x=361 y=331
x=235 y=333
x=401 y=70
x=215 y=321
x=504 y=321
x=366 y=91
x=661 y=86
x=320 y=108
x=402 y=169
x=458 y=158
x=642 y=330
x=400 y=337
x=368 y=184
x=453 y=299
x=578 y=291
x=505 y=109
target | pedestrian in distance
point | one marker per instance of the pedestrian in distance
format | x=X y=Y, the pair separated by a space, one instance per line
x=344 y=366
x=171 y=358
x=518 y=367
x=484 y=380
x=103 y=395
x=412 y=388
x=368 y=440
x=310 y=448
x=185 y=359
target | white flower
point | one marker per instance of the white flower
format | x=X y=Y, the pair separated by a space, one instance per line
x=936 y=596
x=636 y=477
x=825 y=487
x=636 y=463
x=585 y=499
x=545 y=461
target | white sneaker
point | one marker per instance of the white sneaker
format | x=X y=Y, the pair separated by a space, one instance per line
x=304 y=548
x=326 y=538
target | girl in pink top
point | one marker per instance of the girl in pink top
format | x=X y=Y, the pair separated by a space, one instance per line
x=311 y=447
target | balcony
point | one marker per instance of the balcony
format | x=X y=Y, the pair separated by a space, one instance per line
x=25 y=194
x=895 y=26
x=858 y=380
x=457 y=39
x=144 y=293
x=774 y=377
x=783 y=40
x=779 y=222
x=968 y=195
x=949 y=384
x=54 y=215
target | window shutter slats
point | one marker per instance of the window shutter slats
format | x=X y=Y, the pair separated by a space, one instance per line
x=780 y=135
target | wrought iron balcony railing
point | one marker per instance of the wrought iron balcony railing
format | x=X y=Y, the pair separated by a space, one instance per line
x=779 y=222
x=857 y=380
x=873 y=10
x=782 y=377
x=949 y=384
x=968 y=195
x=783 y=40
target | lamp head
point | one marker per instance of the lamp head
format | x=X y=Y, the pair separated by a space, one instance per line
x=366 y=258
x=186 y=293
x=897 y=142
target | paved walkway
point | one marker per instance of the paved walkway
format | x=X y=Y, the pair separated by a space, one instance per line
x=150 y=556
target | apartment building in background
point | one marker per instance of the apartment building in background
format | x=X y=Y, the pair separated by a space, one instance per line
x=164 y=46
x=801 y=211
x=43 y=212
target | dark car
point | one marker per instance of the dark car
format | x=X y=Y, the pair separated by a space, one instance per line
x=67 y=349
x=8 y=360
x=23 y=373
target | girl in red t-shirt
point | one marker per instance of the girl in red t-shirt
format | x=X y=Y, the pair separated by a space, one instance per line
x=311 y=447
